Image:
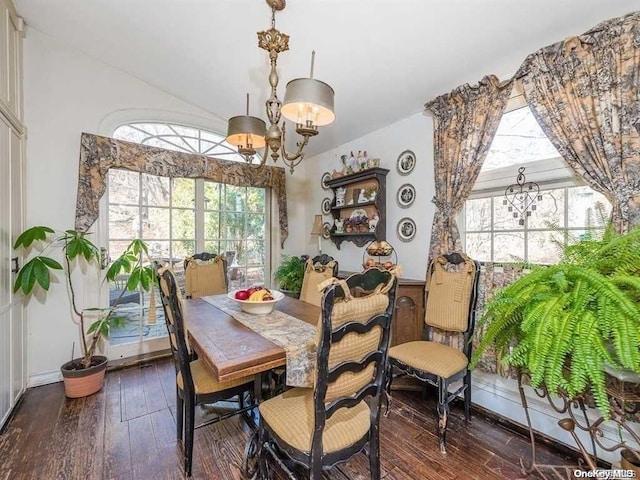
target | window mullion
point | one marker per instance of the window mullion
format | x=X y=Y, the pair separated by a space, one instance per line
x=199 y=213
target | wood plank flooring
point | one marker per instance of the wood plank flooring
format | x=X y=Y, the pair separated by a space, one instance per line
x=127 y=432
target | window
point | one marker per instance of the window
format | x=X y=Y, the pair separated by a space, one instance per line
x=181 y=216
x=566 y=212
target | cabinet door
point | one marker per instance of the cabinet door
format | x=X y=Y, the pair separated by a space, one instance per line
x=10 y=60
x=408 y=315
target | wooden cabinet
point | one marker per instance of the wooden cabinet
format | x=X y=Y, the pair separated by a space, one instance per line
x=358 y=195
x=408 y=315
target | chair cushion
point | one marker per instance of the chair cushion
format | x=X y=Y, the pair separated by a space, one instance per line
x=430 y=357
x=203 y=278
x=314 y=275
x=205 y=380
x=290 y=415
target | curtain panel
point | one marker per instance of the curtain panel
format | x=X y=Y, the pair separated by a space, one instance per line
x=99 y=154
x=585 y=94
x=465 y=122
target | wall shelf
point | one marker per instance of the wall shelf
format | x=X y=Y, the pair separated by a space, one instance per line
x=372 y=179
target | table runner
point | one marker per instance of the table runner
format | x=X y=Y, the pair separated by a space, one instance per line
x=295 y=336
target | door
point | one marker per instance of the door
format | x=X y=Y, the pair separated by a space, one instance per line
x=12 y=328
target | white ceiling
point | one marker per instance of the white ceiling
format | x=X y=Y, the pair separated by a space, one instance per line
x=383 y=58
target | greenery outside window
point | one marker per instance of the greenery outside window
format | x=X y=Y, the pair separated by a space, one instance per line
x=178 y=217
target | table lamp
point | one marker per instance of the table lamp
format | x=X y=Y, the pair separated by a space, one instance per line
x=318 y=229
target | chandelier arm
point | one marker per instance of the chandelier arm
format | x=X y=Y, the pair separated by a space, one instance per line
x=293 y=160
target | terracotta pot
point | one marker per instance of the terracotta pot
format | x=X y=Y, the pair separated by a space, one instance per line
x=629 y=461
x=82 y=382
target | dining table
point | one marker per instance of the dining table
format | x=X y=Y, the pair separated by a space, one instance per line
x=230 y=348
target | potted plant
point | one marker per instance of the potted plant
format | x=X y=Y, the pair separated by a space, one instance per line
x=85 y=375
x=563 y=323
x=289 y=275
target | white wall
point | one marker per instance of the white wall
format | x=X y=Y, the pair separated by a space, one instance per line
x=67 y=93
x=412 y=133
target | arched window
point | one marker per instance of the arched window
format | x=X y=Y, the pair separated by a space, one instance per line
x=178 y=217
x=180 y=138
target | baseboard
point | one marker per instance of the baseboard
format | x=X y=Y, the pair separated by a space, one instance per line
x=44 y=378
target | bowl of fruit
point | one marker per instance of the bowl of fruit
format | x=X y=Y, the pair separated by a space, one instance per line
x=256 y=300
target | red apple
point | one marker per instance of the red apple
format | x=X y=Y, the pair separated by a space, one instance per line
x=267 y=297
x=251 y=290
x=242 y=294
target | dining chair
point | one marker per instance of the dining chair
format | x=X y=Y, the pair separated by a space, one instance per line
x=196 y=383
x=205 y=274
x=317 y=270
x=319 y=427
x=451 y=309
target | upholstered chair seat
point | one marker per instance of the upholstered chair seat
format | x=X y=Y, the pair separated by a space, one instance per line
x=290 y=416
x=437 y=358
x=205 y=381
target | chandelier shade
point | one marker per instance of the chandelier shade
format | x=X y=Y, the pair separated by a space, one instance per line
x=246 y=132
x=308 y=100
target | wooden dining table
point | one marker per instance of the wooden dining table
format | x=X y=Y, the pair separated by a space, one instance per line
x=231 y=349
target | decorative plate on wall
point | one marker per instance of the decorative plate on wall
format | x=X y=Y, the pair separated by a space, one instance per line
x=406 y=162
x=326 y=206
x=327 y=230
x=406 y=195
x=326 y=176
x=406 y=229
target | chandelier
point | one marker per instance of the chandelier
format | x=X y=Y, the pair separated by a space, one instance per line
x=307 y=102
x=521 y=197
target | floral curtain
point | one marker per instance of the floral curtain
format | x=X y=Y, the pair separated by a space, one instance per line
x=99 y=154
x=585 y=94
x=465 y=122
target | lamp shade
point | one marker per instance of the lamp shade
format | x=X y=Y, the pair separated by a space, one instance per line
x=308 y=99
x=246 y=131
x=317 y=228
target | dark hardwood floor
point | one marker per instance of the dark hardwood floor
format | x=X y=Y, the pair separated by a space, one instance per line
x=127 y=431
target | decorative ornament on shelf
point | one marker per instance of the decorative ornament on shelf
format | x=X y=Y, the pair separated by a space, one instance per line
x=307 y=102
x=522 y=196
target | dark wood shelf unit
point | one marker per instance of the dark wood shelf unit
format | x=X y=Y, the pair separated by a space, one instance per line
x=351 y=182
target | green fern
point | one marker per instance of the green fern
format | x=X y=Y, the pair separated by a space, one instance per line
x=564 y=322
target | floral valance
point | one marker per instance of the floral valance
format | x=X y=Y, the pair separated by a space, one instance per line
x=99 y=154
